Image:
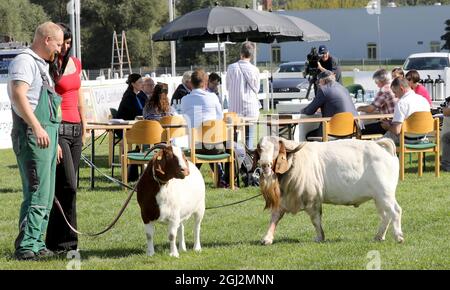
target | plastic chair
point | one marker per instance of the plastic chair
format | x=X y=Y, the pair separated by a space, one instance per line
x=340 y=126
x=142 y=132
x=421 y=123
x=214 y=132
x=176 y=126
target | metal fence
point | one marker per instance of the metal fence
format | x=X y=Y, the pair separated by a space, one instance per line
x=348 y=64
x=92 y=74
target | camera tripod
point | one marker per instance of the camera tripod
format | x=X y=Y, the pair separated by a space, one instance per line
x=312 y=81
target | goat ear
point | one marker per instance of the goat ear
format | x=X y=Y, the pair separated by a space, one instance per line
x=281 y=164
x=159 y=160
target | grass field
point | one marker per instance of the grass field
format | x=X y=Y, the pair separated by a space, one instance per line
x=230 y=236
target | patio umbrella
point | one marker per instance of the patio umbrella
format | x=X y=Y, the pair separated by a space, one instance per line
x=238 y=25
x=228 y=24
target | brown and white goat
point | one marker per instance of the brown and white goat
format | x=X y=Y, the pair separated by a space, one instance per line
x=170 y=191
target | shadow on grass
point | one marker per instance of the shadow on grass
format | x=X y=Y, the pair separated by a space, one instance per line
x=13 y=166
x=111 y=253
x=10 y=190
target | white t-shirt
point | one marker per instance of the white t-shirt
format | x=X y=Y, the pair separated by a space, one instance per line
x=24 y=67
x=409 y=104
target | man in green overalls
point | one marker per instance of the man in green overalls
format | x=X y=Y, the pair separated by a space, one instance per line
x=36 y=116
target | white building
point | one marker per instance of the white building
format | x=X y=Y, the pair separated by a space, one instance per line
x=354 y=33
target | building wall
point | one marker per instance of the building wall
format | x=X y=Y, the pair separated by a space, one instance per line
x=351 y=29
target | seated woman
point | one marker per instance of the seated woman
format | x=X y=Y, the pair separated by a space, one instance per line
x=158 y=105
x=413 y=78
x=131 y=104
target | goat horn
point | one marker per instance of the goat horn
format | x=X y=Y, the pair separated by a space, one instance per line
x=297 y=148
x=157 y=146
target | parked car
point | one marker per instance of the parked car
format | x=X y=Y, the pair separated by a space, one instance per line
x=291 y=67
x=432 y=68
x=289 y=82
x=427 y=61
x=8 y=51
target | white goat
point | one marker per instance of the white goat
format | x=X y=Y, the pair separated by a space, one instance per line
x=302 y=176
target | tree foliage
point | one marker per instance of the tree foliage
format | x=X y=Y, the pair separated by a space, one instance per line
x=56 y=9
x=138 y=18
x=19 y=19
x=334 y=4
x=446 y=36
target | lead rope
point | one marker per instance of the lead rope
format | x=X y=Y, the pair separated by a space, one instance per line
x=127 y=201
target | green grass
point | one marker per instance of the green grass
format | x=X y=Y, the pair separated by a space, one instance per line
x=230 y=236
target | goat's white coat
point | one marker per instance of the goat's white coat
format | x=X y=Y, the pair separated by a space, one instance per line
x=177 y=201
x=343 y=172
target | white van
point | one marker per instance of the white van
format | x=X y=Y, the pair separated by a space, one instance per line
x=6 y=56
x=429 y=63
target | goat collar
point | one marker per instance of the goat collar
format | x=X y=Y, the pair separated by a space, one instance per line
x=158 y=180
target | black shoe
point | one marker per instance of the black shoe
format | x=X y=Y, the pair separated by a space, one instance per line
x=19 y=239
x=45 y=253
x=25 y=255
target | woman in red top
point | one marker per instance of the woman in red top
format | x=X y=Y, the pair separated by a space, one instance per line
x=66 y=72
x=413 y=78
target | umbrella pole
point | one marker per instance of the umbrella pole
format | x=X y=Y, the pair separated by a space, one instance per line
x=220 y=69
x=271 y=76
x=218 y=53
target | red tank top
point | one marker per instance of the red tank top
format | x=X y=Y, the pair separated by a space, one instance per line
x=68 y=87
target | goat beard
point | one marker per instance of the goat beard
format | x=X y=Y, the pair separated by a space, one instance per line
x=270 y=189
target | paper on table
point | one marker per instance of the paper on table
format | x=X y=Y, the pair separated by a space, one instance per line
x=117 y=121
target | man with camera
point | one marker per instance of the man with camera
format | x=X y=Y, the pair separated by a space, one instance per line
x=328 y=62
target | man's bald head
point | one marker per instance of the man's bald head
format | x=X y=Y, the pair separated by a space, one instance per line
x=48 y=40
x=47 y=29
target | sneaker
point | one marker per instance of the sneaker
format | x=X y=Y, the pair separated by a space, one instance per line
x=25 y=255
x=45 y=253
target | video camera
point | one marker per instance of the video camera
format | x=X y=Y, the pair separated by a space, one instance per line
x=312 y=60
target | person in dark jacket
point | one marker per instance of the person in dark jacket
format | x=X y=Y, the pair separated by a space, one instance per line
x=331 y=98
x=131 y=105
x=183 y=89
x=328 y=62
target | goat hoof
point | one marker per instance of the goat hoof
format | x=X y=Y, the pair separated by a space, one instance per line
x=400 y=239
x=266 y=242
x=149 y=253
x=379 y=239
x=319 y=240
x=175 y=255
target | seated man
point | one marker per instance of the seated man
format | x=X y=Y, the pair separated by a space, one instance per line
x=409 y=103
x=331 y=98
x=445 y=162
x=383 y=103
x=199 y=106
x=183 y=89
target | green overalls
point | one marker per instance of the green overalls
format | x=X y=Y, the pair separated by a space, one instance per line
x=37 y=168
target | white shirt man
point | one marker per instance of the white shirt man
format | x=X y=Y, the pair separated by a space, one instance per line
x=199 y=105
x=409 y=103
x=243 y=84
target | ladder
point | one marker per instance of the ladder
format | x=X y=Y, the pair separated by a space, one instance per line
x=117 y=61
